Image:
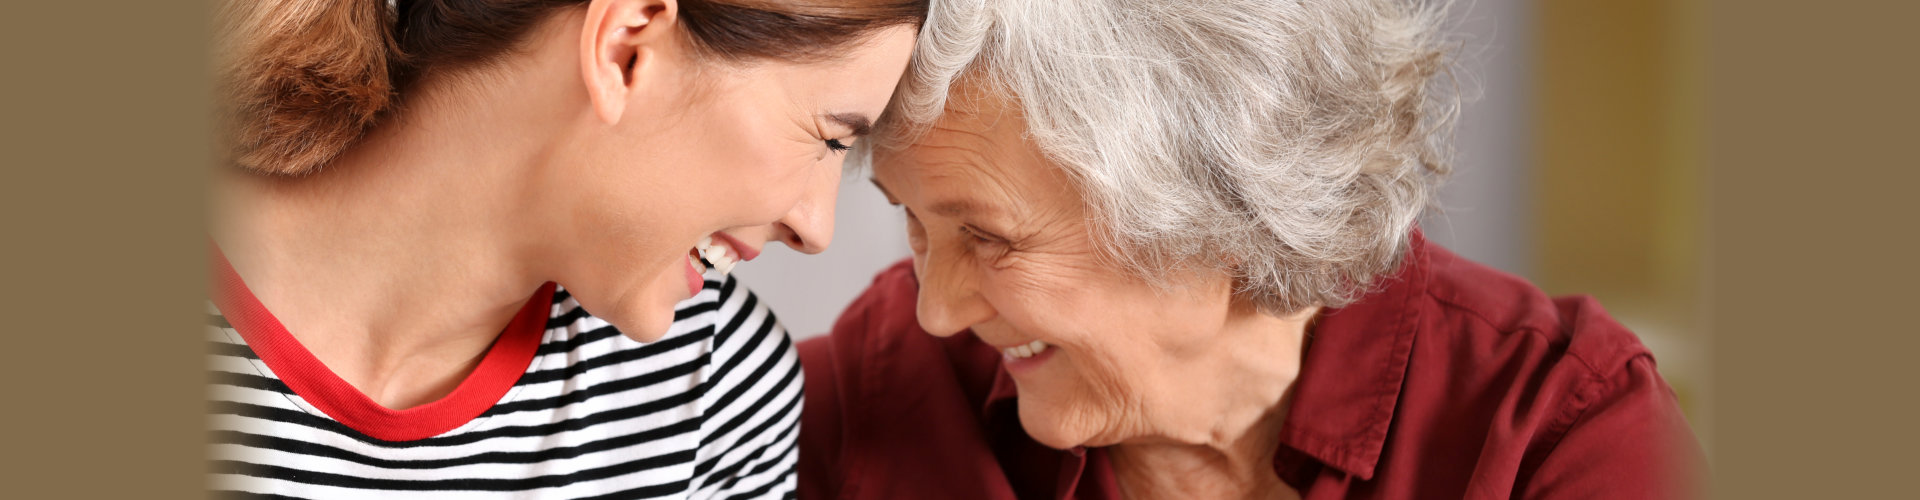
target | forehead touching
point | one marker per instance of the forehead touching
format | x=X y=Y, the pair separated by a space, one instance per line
x=974 y=159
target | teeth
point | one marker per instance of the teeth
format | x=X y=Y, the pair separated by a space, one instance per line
x=721 y=256
x=1026 y=350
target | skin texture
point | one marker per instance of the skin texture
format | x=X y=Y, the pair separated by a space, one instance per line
x=596 y=158
x=1187 y=384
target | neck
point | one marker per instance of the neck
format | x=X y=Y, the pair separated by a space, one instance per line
x=1236 y=466
x=399 y=262
x=1221 y=443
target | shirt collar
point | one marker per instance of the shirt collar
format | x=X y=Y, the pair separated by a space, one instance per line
x=1355 y=363
x=1339 y=415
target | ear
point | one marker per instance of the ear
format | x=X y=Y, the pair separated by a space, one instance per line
x=619 y=38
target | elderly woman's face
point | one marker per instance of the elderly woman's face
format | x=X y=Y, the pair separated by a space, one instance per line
x=1003 y=246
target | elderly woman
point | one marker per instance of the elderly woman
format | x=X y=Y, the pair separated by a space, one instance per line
x=1163 y=250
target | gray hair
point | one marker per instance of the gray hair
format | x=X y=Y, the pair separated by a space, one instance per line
x=1292 y=143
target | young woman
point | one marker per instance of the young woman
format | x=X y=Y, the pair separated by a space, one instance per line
x=475 y=248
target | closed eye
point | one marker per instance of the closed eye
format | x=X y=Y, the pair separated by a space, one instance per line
x=858 y=125
x=978 y=236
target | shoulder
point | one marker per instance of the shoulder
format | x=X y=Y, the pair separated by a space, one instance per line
x=743 y=396
x=753 y=360
x=750 y=396
x=1546 y=379
x=1552 y=393
x=740 y=322
x=1475 y=305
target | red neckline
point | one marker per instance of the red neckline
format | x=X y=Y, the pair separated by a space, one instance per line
x=503 y=364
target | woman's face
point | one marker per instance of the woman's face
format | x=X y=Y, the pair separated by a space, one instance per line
x=1002 y=246
x=696 y=149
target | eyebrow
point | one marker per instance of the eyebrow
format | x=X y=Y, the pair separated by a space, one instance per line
x=856 y=122
x=960 y=207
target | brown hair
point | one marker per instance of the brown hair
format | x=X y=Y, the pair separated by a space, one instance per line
x=301 y=80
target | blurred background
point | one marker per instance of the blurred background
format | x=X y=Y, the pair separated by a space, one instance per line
x=1578 y=168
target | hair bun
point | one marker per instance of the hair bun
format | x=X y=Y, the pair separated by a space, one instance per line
x=301 y=80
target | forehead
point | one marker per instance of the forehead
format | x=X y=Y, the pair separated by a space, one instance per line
x=977 y=147
x=860 y=76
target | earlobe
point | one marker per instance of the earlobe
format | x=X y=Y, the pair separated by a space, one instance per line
x=615 y=38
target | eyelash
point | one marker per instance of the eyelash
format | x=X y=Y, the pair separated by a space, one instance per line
x=977 y=236
x=838 y=147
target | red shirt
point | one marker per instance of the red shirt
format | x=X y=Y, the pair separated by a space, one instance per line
x=1450 y=380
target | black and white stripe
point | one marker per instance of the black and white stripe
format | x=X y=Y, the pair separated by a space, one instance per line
x=711 y=410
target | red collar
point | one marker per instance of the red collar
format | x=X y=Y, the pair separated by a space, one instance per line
x=1339 y=415
x=503 y=364
x=1350 y=381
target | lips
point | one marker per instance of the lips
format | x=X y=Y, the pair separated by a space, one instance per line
x=693 y=270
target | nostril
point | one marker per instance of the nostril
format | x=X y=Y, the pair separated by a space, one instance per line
x=799 y=243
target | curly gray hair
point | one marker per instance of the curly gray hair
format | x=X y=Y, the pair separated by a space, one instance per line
x=1291 y=143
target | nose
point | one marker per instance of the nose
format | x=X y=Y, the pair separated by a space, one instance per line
x=808 y=226
x=950 y=300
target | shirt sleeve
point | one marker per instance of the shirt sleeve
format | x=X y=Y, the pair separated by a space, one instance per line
x=1626 y=439
x=751 y=406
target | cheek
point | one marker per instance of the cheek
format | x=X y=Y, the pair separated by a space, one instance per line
x=1114 y=339
x=704 y=143
x=1051 y=298
x=1091 y=375
x=731 y=168
x=750 y=175
x=1086 y=397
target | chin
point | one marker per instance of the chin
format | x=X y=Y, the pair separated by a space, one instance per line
x=647 y=326
x=1053 y=426
x=641 y=316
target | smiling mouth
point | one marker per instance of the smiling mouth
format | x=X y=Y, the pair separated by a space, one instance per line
x=1026 y=350
x=709 y=254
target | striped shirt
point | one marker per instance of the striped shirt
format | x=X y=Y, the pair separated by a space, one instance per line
x=710 y=410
